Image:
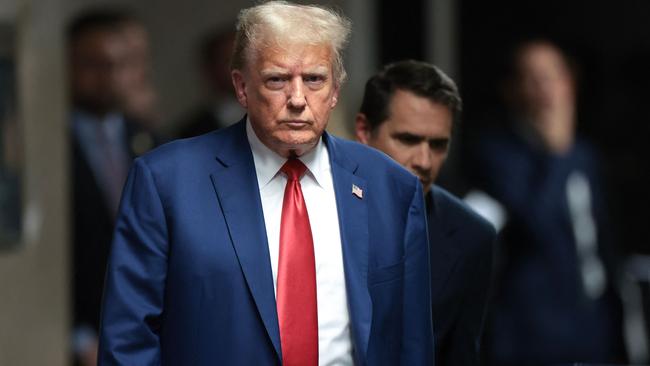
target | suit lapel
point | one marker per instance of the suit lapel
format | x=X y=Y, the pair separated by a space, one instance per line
x=353 y=223
x=235 y=183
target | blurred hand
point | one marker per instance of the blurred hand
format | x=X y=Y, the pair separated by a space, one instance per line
x=556 y=127
x=545 y=92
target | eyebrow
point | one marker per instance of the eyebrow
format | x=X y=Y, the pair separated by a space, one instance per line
x=274 y=71
x=411 y=136
x=318 y=70
x=440 y=139
x=408 y=135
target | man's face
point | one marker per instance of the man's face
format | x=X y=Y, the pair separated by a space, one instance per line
x=137 y=62
x=416 y=134
x=98 y=61
x=289 y=93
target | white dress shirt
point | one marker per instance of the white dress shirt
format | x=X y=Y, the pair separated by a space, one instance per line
x=334 y=342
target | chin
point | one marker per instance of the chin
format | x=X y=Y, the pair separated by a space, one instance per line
x=298 y=138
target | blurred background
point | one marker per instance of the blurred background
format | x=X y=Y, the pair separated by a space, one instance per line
x=167 y=82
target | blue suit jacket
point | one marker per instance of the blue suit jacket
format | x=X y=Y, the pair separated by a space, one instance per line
x=189 y=279
x=462 y=245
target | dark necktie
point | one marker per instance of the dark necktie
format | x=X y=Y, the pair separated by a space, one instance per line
x=296 y=288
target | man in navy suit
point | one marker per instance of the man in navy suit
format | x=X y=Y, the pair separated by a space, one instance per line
x=200 y=251
x=407 y=112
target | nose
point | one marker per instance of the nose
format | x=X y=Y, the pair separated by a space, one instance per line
x=422 y=157
x=296 y=94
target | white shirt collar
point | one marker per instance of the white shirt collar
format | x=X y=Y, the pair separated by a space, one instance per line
x=268 y=162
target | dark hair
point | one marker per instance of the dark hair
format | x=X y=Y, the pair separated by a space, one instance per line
x=421 y=78
x=110 y=20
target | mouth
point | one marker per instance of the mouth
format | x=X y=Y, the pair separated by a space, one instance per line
x=296 y=124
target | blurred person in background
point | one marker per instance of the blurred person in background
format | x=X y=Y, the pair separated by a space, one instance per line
x=219 y=107
x=408 y=112
x=104 y=142
x=555 y=300
x=137 y=93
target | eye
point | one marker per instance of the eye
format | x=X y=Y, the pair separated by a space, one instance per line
x=314 y=81
x=275 y=82
x=440 y=145
x=313 y=78
x=408 y=139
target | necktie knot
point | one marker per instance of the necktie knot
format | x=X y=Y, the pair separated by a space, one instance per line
x=294 y=169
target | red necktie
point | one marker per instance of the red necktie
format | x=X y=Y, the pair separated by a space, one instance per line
x=296 y=297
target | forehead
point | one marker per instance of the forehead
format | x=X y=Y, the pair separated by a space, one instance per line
x=294 y=56
x=418 y=115
x=98 y=40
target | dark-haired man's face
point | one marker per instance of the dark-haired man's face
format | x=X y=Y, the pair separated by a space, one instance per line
x=416 y=134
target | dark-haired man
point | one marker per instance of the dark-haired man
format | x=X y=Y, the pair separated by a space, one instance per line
x=407 y=111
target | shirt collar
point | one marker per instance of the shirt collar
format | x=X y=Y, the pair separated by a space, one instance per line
x=268 y=162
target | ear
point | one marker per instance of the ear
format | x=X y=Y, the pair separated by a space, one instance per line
x=240 y=87
x=362 y=128
x=335 y=97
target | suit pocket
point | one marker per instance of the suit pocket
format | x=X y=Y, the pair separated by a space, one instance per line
x=385 y=274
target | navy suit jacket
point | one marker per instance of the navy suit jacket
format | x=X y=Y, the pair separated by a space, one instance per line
x=461 y=266
x=189 y=278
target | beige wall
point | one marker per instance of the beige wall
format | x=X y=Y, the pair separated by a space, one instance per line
x=33 y=277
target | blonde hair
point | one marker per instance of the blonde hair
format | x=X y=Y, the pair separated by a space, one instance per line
x=279 y=22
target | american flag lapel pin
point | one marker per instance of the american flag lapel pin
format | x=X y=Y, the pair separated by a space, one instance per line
x=357 y=191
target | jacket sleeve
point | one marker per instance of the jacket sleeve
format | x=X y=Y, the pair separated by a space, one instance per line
x=133 y=293
x=417 y=335
x=467 y=333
